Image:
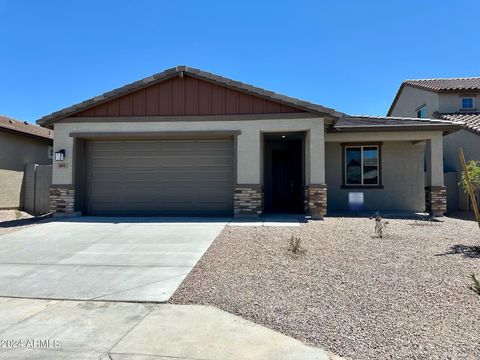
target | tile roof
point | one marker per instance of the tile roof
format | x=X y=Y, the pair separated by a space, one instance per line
x=24 y=127
x=471 y=121
x=438 y=85
x=362 y=122
x=446 y=84
x=180 y=71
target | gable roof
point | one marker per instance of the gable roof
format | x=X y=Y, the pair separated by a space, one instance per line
x=24 y=128
x=181 y=71
x=439 y=85
x=352 y=123
x=471 y=121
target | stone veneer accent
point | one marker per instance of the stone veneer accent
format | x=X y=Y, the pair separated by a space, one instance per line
x=248 y=200
x=62 y=199
x=436 y=200
x=317 y=200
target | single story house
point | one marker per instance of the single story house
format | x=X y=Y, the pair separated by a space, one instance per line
x=186 y=141
x=21 y=144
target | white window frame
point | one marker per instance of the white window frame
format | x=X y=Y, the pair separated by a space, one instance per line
x=467 y=97
x=361 y=164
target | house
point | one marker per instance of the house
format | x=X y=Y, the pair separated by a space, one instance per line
x=186 y=141
x=21 y=144
x=447 y=99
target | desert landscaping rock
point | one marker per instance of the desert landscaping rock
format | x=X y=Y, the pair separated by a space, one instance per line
x=405 y=296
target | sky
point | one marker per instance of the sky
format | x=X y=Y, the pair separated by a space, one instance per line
x=348 y=55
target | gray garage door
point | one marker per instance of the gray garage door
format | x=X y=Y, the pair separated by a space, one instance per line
x=149 y=177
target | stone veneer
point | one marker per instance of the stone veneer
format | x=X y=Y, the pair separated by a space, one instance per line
x=436 y=200
x=62 y=199
x=317 y=200
x=248 y=200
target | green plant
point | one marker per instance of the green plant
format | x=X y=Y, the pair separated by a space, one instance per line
x=473 y=169
x=476 y=284
x=380 y=224
x=18 y=215
x=295 y=244
x=471 y=181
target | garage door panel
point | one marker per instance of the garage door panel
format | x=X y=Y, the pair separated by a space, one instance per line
x=161 y=177
x=176 y=162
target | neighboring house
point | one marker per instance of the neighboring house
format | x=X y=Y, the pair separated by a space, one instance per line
x=447 y=99
x=21 y=144
x=186 y=141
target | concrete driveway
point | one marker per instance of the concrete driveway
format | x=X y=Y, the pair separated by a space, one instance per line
x=93 y=258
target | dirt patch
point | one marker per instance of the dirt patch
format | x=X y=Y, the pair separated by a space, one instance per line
x=405 y=296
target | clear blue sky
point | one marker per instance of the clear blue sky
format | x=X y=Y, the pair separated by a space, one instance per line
x=349 y=55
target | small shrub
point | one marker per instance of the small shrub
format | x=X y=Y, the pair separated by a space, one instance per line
x=473 y=169
x=295 y=244
x=18 y=215
x=380 y=224
x=476 y=284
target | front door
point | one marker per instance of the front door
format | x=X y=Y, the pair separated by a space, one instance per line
x=285 y=183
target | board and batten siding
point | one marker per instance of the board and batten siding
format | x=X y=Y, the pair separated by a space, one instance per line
x=186 y=97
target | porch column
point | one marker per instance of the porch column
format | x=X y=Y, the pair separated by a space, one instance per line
x=248 y=196
x=316 y=189
x=435 y=191
x=62 y=190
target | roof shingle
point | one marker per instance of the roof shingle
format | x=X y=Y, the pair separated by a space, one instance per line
x=447 y=84
x=179 y=71
x=362 y=122
x=471 y=121
x=25 y=128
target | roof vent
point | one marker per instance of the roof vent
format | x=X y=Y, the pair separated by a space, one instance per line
x=26 y=123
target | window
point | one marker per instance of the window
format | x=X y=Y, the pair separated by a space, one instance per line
x=50 y=152
x=362 y=165
x=422 y=112
x=466 y=103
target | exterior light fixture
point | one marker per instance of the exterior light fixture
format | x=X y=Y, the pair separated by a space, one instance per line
x=60 y=155
x=283 y=136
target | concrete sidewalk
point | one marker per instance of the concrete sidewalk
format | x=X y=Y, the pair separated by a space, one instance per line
x=118 y=331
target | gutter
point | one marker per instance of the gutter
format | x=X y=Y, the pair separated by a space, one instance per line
x=447 y=129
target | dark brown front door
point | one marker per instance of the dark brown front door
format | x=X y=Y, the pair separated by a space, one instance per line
x=285 y=178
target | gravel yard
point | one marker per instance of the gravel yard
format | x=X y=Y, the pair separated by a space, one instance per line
x=14 y=220
x=405 y=296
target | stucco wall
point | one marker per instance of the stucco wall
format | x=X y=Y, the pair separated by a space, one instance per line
x=411 y=99
x=248 y=142
x=448 y=103
x=470 y=143
x=402 y=178
x=15 y=152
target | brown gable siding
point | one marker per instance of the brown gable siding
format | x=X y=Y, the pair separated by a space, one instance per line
x=186 y=96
